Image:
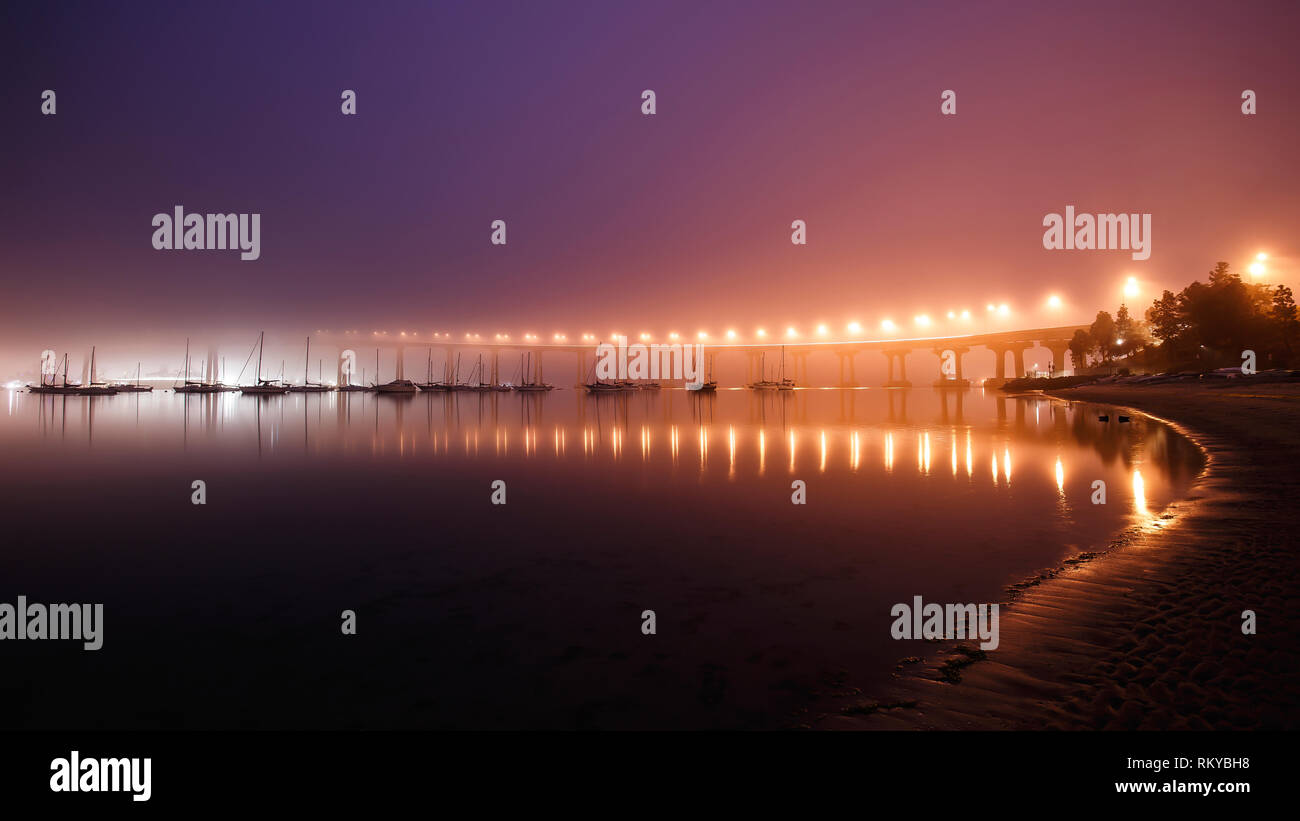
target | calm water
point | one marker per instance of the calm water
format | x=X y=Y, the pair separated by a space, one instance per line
x=528 y=614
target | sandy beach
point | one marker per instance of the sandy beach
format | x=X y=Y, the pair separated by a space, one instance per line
x=1146 y=634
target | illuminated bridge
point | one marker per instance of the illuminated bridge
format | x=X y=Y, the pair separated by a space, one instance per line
x=1019 y=343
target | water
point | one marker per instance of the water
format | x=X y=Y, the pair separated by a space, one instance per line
x=529 y=614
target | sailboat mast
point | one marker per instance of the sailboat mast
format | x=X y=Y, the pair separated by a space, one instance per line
x=261 y=340
x=306 y=362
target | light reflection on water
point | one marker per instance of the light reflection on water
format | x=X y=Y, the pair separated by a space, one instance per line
x=853 y=431
x=616 y=503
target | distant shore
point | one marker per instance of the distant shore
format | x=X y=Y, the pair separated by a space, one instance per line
x=1146 y=635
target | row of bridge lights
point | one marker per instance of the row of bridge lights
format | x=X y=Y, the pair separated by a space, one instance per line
x=822 y=330
x=1131 y=290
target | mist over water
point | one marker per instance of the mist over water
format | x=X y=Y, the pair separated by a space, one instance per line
x=528 y=614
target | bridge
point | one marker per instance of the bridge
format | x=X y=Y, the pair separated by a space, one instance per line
x=1018 y=342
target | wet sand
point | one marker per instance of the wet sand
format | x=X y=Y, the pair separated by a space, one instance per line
x=1146 y=634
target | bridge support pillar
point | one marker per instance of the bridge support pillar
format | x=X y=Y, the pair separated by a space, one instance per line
x=898 y=380
x=1000 y=363
x=1058 y=357
x=849 y=358
x=957 y=379
x=538 y=370
x=496 y=362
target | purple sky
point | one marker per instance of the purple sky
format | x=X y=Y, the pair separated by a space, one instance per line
x=530 y=112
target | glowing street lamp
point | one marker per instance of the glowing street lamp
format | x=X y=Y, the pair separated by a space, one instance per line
x=1131 y=288
x=1003 y=310
x=952 y=314
x=888 y=325
x=855 y=328
x=1053 y=301
x=761 y=333
x=790 y=333
x=965 y=314
x=731 y=334
x=822 y=330
x=1257 y=269
x=923 y=321
x=702 y=335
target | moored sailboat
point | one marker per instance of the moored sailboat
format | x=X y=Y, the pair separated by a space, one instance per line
x=307 y=385
x=263 y=386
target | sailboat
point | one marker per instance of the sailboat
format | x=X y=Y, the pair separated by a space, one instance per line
x=307 y=385
x=194 y=385
x=597 y=386
x=709 y=385
x=132 y=387
x=94 y=388
x=429 y=384
x=398 y=385
x=529 y=383
x=482 y=385
x=263 y=386
x=363 y=387
x=51 y=387
x=765 y=384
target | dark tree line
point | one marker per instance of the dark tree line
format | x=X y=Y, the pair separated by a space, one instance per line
x=1206 y=324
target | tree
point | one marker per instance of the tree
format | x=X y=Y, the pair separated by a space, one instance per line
x=1130 y=333
x=1102 y=332
x=1283 y=313
x=1080 y=345
x=1165 y=317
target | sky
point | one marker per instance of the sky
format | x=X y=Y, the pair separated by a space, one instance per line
x=530 y=113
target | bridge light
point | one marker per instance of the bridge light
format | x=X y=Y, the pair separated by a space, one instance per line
x=1003 y=310
x=761 y=333
x=923 y=321
x=1261 y=256
x=888 y=325
x=992 y=307
x=855 y=328
x=790 y=332
x=645 y=337
x=952 y=314
x=702 y=335
x=965 y=314
x=1131 y=287
x=672 y=334
x=731 y=334
x=822 y=330
x=1053 y=301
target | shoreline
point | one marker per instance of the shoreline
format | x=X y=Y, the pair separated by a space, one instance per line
x=1146 y=633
